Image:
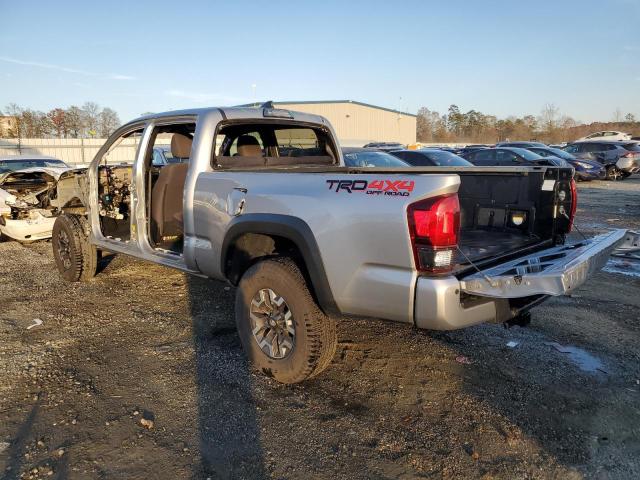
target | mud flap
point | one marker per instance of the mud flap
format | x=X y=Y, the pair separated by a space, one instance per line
x=554 y=271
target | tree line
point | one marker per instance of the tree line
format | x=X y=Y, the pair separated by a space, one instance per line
x=549 y=126
x=476 y=127
x=87 y=121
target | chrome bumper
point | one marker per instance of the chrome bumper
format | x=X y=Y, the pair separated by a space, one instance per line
x=554 y=271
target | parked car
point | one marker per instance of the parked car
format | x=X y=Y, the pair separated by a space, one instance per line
x=619 y=158
x=162 y=156
x=510 y=156
x=22 y=162
x=606 y=135
x=585 y=169
x=385 y=146
x=521 y=144
x=364 y=157
x=27 y=184
x=306 y=238
x=431 y=157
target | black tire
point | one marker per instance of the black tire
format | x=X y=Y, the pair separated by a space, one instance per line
x=625 y=175
x=75 y=256
x=315 y=333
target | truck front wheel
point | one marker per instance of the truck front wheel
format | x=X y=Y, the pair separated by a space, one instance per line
x=75 y=256
x=282 y=329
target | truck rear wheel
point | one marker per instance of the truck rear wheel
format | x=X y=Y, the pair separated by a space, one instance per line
x=75 y=256
x=282 y=329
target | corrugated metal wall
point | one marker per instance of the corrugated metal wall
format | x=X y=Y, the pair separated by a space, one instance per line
x=357 y=124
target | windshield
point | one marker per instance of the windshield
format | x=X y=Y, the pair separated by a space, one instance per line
x=562 y=154
x=372 y=159
x=14 y=165
x=556 y=152
x=447 y=159
x=168 y=156
x=526 y=154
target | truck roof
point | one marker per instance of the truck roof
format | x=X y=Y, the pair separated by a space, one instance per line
x=236 y=113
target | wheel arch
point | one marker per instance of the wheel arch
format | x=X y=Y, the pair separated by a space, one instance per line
x=74 y=206
x=252 y=237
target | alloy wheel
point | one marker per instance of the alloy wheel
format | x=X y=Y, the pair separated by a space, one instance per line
x=272 y=324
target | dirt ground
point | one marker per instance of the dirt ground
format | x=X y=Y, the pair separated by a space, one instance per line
x=142 y=343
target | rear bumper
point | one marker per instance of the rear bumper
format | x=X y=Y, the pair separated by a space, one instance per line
x=438 y=306
x=554 y=271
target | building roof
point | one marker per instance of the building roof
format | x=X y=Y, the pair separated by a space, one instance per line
x=317 y=102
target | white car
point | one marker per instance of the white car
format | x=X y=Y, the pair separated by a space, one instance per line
x=26 y=183
x=608 y=135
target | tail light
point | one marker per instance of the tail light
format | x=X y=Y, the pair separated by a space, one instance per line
x=434 y=224
x=574 y=204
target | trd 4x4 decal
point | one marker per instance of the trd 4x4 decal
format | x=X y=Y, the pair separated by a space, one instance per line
x=375 y=187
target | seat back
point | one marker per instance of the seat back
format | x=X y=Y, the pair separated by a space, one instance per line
x=248 y=146
x=167 y=196
x=167 y=199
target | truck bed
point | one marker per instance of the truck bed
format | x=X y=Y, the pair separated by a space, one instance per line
x=488 y=196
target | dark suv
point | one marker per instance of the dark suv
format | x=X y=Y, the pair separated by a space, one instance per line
x=621 y=159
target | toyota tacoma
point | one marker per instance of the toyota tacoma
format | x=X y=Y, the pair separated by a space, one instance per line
x=262 y=199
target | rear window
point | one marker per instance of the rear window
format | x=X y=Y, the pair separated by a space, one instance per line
x=273 y=144
x=372 y=159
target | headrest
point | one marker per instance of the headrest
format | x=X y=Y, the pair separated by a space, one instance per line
x=181 y=145
x=248 y=146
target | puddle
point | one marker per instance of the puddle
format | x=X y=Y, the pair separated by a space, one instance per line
x=581 y=358
x=623 y=266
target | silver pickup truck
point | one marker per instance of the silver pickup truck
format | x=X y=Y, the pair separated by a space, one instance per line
x=262 y=199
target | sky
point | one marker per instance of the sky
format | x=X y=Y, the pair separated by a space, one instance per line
x=499 y=57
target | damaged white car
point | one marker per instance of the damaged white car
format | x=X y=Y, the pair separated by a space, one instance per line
x=27 y=186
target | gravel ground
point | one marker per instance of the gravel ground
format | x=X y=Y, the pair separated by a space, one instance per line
x=139 y=374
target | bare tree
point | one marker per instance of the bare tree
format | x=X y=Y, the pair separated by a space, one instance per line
x=90 y=117
x=617 y=115
x=549 y=121
x=15 y=111
x=108 y=121
x=630 y=117
x=74 y=120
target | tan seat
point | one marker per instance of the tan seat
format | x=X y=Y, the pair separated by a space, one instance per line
x=248 y=146
x=167 y=196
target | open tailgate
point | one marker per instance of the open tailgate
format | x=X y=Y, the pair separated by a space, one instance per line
x=553 y=271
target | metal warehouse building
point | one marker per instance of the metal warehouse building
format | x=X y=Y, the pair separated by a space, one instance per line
x=358 y=123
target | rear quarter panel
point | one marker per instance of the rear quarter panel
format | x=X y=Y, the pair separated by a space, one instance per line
x=362 y=237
